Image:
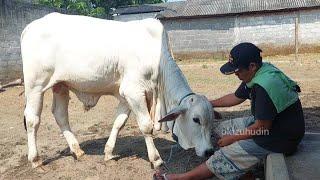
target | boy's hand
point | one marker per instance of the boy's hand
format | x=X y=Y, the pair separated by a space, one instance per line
x=227 y=140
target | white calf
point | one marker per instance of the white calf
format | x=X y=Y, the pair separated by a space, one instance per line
x=94 y=57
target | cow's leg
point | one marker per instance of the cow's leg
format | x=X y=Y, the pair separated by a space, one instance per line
x=160 y=112
x=146 y=126
x=122 y=115
x=138 y=104
x=60 y=112
x=164 y=127
x=157 y=116
x=34 y=101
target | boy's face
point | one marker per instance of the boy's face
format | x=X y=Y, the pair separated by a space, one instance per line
x=246 y=74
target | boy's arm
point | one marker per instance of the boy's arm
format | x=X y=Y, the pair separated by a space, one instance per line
x=247 y=133
x=227 y=101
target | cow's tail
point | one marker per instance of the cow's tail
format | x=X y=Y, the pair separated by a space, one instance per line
x=25 y=123
x=24 y=120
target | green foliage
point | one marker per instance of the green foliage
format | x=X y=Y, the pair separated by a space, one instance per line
x=95 y=8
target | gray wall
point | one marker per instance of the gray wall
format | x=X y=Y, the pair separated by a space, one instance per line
x=273 y=32
x=189 y=38
x=130 y=17
x=14 y=16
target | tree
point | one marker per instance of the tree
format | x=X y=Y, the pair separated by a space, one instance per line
x=95 y=8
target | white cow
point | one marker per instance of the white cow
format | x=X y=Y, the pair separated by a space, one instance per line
x=94 y=57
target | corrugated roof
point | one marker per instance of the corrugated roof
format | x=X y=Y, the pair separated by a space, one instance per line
x=137 y=9
x=218 y=7
x=191 y=8
x=172 y=9
x=146 y=8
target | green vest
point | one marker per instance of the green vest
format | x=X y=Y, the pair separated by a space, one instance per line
x=280 y=88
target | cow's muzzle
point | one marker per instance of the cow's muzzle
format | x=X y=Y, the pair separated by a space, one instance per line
x=209 y=152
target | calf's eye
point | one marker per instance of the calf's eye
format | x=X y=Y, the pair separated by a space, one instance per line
x=196 y=120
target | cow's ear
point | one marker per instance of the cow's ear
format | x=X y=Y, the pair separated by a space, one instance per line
x=173 y=114
x=217 y=115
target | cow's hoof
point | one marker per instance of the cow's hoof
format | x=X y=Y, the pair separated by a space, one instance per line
x=110 y=157
x=78 y=154
x=37 y=163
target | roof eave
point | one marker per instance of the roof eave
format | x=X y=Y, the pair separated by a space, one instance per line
x=239 y=13
x=135 y=13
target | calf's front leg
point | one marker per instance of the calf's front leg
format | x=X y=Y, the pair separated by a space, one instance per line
x=122 y=115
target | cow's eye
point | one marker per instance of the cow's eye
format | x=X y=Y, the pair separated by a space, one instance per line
x=196 y=120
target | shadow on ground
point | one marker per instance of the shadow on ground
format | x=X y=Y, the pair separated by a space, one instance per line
x=180 y=160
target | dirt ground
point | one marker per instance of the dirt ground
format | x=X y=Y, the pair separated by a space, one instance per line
x=92 y=128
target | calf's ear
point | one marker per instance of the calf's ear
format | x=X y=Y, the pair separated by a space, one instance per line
x=173 y=114
x=217 y=115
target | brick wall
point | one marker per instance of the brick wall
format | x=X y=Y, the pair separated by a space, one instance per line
x=14 y=16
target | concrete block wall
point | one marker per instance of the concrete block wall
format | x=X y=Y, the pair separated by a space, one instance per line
x=200 y=36
x=189 y=38
x=131 y=17
x=273 y=32
x=14 y=16
x=309 y=31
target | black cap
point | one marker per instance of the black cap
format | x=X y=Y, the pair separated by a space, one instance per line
x=241 y=56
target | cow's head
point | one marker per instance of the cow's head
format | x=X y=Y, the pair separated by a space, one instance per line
x=193 y=122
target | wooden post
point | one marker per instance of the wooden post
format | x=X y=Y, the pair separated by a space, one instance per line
x=296 y=37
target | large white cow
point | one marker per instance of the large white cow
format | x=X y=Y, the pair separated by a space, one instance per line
x=94 y=57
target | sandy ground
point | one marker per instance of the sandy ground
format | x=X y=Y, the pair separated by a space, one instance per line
x=92 y=128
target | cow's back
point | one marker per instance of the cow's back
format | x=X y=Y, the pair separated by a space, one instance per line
x=90 y=53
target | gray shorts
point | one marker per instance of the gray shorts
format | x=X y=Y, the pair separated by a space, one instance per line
x=234 y=160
